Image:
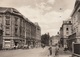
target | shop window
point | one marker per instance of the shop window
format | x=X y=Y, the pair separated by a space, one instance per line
x=7 y=43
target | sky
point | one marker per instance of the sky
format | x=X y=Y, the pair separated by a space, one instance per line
x=48 y=13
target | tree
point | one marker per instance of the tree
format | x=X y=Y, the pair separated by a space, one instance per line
x=45 y=39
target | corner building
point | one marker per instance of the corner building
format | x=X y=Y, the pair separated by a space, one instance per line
x=17 y=30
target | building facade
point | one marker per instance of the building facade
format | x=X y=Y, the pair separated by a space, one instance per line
x=33 y=35
x=38 y=35
x=76 y=20
x=65 y=31
x=17 y=30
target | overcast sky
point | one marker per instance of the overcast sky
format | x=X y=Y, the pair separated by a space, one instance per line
x=48 y=13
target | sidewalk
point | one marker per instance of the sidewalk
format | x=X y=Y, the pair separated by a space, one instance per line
x=63 y=53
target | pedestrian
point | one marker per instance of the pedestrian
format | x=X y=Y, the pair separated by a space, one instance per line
x=50 y=50
x=65 y=48
x=43 y=46
x=56 y=50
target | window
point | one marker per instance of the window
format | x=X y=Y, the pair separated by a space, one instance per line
x=1 y=32
x=1 y=19
x=7 y=22
x=7 y=32
x=76 y=29
x=16 y=21
x=16 y=32
x=0 y=16
x=7 y=17
x=67 y=33
x=70 y=22
x=7 y=28
x=66 y=28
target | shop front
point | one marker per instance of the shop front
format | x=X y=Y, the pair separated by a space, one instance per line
x=7 y=44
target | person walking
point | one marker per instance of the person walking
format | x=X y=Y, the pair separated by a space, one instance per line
x=50 y=50
x=56 y=50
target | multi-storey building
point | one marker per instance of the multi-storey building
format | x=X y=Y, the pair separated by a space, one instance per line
x=28 y=33
x=65 y=31
x=9 y=18
x=76 y=20
x=33 y=34
x=17 y=30
x=38 y=35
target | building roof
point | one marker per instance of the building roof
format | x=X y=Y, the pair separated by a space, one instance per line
x=15 y=12
x=77 y=4
x=67 y=24
x=10 y=10
x=37 y=25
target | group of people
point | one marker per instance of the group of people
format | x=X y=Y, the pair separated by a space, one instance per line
x=56 y=50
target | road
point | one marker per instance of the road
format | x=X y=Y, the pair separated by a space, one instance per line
x=36 y=52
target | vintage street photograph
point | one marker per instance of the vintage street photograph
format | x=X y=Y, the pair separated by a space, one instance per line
x=39 y=28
